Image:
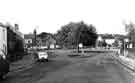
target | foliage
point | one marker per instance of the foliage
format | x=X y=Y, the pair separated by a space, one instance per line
x=116 y=43
x=74 y=33
x=104 y=43
x=130 y=28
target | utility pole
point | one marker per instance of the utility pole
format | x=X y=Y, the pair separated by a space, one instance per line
x=125 y=50
x=35 y=37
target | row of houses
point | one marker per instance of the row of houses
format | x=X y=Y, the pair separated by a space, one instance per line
x=112 y=39
x=48 y=41
x=43 y=40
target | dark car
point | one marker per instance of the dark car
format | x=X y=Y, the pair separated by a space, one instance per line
x=4 y=67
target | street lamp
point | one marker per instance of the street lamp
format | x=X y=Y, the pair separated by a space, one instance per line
x=80 y=45
x=125 y=41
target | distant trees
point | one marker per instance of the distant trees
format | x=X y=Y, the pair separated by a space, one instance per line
x=102 y=43
x=116 y=43
x=74 y=33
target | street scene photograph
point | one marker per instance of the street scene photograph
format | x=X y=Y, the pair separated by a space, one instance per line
x=67 y=41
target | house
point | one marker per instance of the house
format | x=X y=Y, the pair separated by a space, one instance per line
x=28 y=40
x=14 y=42
x=46 y=40
x=105 y=39
x=112 y=39
x=51 y=42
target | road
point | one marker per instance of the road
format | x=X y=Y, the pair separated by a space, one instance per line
x=95 y=68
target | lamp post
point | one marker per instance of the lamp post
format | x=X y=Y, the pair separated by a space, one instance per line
x=125 y=41
x=35 y=38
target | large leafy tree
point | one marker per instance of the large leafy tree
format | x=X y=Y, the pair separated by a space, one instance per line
x=74 y=33
x=130 y=28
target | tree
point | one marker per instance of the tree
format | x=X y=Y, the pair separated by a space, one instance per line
x=116 y=43
x=130 y=28
x=104 y=43
x=74 y=33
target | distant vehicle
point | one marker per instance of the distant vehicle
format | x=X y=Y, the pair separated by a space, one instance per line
x=58 y=47
x=41 y=56
x=4 y=65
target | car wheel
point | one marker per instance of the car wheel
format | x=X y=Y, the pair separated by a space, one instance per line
x=2 y=77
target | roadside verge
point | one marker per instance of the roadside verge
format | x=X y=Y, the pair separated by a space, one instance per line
x=126 y=62
x=23 y=64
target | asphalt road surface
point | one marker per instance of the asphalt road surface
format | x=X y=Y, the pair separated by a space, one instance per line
x=95 y=68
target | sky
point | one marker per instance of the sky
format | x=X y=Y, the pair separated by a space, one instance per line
x=108 y=16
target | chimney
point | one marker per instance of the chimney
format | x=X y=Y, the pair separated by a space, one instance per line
x=16 y=27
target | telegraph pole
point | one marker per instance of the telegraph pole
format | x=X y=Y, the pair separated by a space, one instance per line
x=35 y=38
x=125 y=43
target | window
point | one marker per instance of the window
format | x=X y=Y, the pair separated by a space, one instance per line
x=5 y=49
x=4 y=35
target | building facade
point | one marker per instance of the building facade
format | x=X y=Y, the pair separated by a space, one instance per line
x=28 y=40
x=14 y=41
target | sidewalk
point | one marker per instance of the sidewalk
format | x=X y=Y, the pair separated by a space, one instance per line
x=26 y=62
x=128 y=62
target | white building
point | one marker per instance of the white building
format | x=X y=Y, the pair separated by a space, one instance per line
x=3 y=40
x=110 y=41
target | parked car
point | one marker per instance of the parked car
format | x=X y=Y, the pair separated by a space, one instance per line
x=41 y=56
x=4 y=67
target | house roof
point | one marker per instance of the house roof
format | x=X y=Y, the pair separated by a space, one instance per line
x=28 y=36
x=106 y=36
x=112 y=36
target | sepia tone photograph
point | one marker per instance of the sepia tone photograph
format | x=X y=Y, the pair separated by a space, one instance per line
x=67 y=41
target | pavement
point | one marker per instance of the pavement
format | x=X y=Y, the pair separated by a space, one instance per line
x=98 y=68
x=126 y=61
x=128 y=64
x=26 y=62
x=95 y=68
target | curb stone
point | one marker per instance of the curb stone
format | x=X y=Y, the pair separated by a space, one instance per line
x=123 y=62
x=22 y=64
